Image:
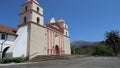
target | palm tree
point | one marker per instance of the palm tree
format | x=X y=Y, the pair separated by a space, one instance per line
x=113 y=39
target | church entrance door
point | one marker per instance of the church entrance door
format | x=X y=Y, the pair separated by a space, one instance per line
x=57 y=50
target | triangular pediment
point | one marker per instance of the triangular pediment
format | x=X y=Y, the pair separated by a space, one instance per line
x=55 y=26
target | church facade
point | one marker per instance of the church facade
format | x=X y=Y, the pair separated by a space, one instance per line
x=33 y=37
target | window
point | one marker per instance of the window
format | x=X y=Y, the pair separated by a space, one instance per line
x=66 y=33
x=25 y=19
x=26 y=8
x=38 y=9
x=38 y=19
x=3 y=37
x=65 y=26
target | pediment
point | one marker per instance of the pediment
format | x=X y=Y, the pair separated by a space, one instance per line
x=55 y=26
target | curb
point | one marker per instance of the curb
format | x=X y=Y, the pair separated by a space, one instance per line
x=10 y=64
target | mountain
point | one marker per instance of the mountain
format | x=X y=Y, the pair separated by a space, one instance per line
x=80 y=43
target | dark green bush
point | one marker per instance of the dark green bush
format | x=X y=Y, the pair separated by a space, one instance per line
x=72 y=50
x=102 y=50
x=86 y=50
x=5 y=60
x=15 y=60
x=83 y=50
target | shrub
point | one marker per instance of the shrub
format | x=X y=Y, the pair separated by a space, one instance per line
x=5 y=60
x=86 y=50
x=72 y=50
x=103 y=50
x=15 y=60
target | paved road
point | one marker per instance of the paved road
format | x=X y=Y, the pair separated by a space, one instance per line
x=86 y=62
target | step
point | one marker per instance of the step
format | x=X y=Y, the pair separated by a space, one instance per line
x=51 y=57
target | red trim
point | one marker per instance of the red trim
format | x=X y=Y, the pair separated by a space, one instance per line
x=23 y=24
x=30 y=16
x=49 y=25
x=47 y=41
x=31 y=2
x=54 y=30
x=59 y=43
x=53 y=38
x=63 y=45
x=50 y=42
x=33 y=11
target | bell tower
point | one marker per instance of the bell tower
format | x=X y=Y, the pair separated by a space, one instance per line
x=65 y=27
x=32 y=11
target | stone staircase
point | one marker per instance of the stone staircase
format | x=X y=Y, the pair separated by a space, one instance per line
x=51 y=57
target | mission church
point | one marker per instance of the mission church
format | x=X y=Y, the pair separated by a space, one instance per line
x=33 y=37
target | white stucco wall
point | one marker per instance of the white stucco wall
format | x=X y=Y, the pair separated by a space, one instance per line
x=67 y=45
x=34 y=15
x=35 y=8
x=8 y=42
x=66 y=29
x=27 y=15
x=28 y=7
x=66 y=40
x=19 y=47
x=38 y=41
x=9 y=37
x=66 y=32
x=34 y=18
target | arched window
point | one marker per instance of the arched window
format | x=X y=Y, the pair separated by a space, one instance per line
x=66 y=33
x=38 y=9
x=38 y=19
x=26 y=8
x=25 y=19
x=66 y=26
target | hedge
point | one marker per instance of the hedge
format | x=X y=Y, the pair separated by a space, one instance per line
x=14 y=60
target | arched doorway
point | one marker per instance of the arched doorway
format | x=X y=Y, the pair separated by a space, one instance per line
x=57 y=50
x=4 y=52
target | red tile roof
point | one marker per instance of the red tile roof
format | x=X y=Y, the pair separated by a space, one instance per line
x=8 y=30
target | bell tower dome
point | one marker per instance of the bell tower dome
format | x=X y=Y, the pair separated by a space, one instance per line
x=33 y=0
x=32 y=11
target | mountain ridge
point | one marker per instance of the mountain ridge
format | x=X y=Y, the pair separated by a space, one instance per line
x=80 y=43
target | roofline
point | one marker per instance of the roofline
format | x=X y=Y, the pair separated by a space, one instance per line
x=31 y=2
x=9 y=33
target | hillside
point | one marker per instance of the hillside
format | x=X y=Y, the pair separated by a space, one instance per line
x=80 y=43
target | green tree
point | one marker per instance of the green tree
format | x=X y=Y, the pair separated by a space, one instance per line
x=75 y=50
x=113 y=39
x=72 y=50
x=102 y=50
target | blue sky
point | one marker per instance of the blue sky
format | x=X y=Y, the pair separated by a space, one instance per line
x=88 y=20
